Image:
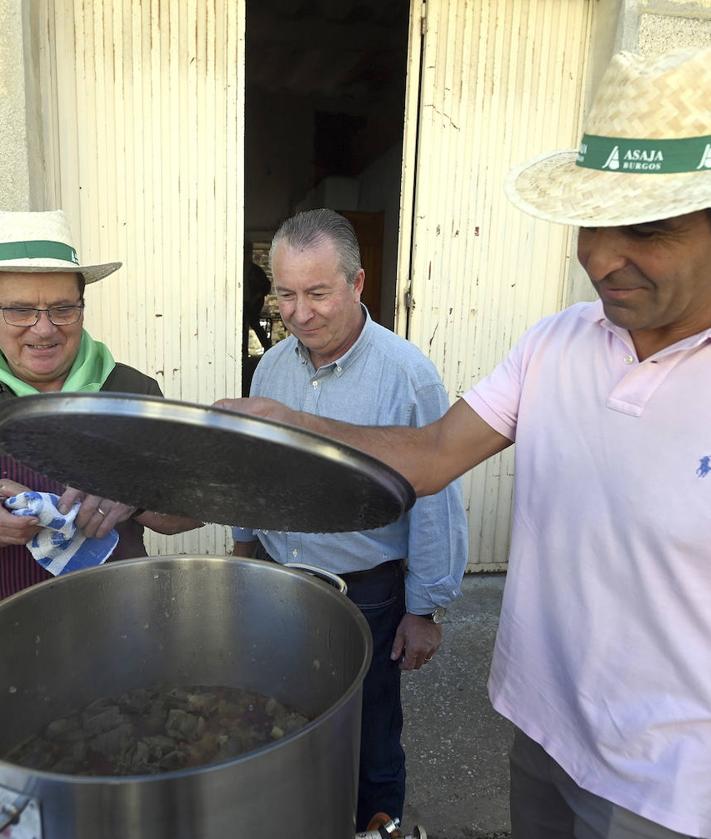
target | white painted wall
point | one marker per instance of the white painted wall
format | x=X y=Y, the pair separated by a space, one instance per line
x=14 y=172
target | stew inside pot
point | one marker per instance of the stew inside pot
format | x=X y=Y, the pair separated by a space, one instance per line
x=151 y=731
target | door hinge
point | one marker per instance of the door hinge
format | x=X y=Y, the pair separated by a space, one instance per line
x=409 y=299
x=423 y=17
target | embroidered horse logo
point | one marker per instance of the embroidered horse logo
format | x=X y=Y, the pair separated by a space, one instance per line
x=704 y=466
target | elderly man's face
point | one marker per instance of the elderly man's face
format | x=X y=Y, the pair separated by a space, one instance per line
x=43 y=354
x=316 y=302
x=653 y=279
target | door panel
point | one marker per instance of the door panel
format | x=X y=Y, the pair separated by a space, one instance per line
x=142 y=121
x=499 y=83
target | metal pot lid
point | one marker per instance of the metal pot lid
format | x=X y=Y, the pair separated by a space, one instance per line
x=190 y=460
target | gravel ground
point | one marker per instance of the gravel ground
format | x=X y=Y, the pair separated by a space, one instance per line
x=456 y=744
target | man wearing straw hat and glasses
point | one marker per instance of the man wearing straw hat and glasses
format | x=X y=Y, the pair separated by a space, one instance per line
x=603 y=654
x=44 y=348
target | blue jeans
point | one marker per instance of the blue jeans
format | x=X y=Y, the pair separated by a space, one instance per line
x=380 y=595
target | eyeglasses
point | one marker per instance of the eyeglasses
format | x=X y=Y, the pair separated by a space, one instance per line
x=58 y=315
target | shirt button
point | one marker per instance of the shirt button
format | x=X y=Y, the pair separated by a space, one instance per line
x=629 y=359
x=294 y=552
x=315 y=383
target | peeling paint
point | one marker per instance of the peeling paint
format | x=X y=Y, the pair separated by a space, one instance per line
x=432 y=337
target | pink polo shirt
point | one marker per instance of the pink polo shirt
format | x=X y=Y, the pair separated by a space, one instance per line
x=603 y=653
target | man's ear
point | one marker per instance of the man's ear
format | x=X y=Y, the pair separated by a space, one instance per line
x=359 y=281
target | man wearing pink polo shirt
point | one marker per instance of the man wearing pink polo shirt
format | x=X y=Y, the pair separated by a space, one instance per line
x=603 y=655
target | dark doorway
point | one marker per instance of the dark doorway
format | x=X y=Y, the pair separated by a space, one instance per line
x=324 y=122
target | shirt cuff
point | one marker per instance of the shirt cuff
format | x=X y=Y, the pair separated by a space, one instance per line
x=423 y=599
x=243 y=534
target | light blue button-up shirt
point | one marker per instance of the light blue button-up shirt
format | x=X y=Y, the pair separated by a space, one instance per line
x=381 y=380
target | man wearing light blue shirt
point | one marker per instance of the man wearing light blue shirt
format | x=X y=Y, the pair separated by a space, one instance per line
x=338 y=363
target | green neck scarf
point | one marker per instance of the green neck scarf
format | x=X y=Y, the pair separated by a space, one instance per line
x=90 y=370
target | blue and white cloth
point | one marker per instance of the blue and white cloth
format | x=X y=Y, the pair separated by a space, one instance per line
x=60 y=546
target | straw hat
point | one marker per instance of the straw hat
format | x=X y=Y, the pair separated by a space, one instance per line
x=645 y=153
x=42 y=243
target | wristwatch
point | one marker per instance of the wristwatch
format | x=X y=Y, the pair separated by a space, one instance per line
x=437 y=616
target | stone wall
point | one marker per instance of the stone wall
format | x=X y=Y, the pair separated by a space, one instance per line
x=666 y=24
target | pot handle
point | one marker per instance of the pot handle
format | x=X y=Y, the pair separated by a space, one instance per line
x=11 y=810
x=328 y=576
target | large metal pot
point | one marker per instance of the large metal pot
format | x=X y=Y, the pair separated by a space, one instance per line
x=189 y=620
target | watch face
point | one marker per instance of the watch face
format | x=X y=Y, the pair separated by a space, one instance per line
x=438 y=614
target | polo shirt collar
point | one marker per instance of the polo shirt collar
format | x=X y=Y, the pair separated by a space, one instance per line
x=595 y=313
x=348 y=357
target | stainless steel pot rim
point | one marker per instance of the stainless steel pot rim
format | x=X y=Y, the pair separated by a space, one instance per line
x=170 y=561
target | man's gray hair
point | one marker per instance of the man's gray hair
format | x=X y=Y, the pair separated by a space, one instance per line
x=308 y=229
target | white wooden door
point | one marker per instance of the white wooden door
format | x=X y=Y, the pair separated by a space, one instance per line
x=490 y=85
x=142 y=122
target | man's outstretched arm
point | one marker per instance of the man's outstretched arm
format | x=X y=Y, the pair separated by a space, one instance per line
x=429 y=457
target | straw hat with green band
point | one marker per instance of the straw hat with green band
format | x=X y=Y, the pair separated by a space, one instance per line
x=645 y=153
x=41 y=242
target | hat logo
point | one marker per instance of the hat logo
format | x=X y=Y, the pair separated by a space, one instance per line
x=613 y=160
x=643 y=159
x=705 y=158
x=645 y=156
x=635 y=159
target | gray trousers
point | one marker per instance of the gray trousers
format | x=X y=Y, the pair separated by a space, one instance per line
x=547 y=804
